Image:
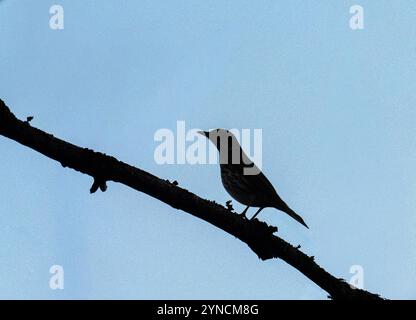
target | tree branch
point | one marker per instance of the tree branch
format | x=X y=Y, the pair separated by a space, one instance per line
x=257 y=235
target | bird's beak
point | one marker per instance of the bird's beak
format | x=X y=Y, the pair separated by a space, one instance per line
x=204 y=133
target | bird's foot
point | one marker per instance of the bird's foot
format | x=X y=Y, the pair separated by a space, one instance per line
x=243 y=214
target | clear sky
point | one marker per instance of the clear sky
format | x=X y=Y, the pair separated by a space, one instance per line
x=337 y=110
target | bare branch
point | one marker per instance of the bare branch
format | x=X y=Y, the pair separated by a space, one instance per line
x=257 y=235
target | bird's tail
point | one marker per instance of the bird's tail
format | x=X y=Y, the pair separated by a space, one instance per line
x=293 y=214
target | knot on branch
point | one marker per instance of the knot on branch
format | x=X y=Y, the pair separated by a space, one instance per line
x=99 y=183
x=229 y=206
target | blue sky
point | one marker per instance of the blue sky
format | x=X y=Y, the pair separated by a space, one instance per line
x=337 y=110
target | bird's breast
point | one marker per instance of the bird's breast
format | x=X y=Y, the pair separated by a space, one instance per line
x=237 y=184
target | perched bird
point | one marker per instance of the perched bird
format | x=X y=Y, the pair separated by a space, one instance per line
x=250 y=188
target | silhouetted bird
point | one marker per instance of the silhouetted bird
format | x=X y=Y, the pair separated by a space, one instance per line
x=241 y=177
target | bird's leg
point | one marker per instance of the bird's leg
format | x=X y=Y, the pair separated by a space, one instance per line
x=244 y=212
x=255 y=215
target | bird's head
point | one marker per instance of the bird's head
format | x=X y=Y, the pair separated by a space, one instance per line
x=224 y=140
x=230 y=149
x=217 y=133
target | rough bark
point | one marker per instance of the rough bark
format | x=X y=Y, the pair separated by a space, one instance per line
x=260 y=237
